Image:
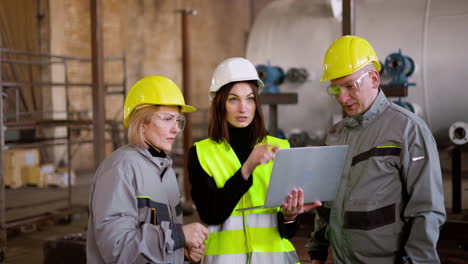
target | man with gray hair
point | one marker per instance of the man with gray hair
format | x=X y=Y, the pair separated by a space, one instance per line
x=390 y=204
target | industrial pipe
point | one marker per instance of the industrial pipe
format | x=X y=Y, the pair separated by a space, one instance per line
x=186 y=92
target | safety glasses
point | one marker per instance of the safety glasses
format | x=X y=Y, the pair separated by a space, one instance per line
x=347 y=87
x=168 y=120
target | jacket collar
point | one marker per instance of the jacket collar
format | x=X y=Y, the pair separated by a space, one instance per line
x=161 y=162
x=363 y=120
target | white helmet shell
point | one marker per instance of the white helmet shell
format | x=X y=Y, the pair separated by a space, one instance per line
x=233 y=70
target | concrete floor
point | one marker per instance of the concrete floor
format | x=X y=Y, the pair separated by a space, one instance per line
x=27 y=246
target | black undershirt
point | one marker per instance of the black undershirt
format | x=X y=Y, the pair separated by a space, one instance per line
x=215 y=204
x=156 y=153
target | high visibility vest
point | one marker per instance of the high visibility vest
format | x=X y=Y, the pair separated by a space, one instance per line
x=249 y=236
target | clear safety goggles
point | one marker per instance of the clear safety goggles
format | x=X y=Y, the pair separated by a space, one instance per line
x=347 y=87
x=168 y=120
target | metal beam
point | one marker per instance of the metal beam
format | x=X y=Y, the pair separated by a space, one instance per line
x=98 y=81
x=348 y=27
x=2 y=174
x=186 y=92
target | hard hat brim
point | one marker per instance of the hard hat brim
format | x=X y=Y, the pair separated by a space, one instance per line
x=187 y=109
x=260 y=86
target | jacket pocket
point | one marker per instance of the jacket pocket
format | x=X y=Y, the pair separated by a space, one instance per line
x=372 y=234
x=153 y=212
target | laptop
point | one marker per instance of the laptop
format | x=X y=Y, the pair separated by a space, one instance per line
x=316 y=170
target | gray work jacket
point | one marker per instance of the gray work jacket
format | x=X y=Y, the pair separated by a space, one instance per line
x=390 y=204
x=135 y=215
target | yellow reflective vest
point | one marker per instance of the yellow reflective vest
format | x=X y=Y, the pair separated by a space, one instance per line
x=249 y=236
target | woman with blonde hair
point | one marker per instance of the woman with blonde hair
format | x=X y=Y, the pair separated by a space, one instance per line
x=135 y=208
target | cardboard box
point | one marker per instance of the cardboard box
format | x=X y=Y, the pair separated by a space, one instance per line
x=50 y=179
x=32 y=175
x=15 y=160
x=37 y=175
x=13 y=177
x=62 y=179
x=48 y=168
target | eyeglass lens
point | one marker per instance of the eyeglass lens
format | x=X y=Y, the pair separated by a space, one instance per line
x=347 y=87
x=166 y=120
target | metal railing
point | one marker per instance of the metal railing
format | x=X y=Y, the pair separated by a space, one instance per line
x=19 y=120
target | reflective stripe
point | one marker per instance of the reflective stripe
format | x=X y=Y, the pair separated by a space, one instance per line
x=225 y=259
x=418 y=158
x=253 y=220
x=249 y=240
x=232 y=223
x=274 y=257
x=256 y=258
x=262 y=220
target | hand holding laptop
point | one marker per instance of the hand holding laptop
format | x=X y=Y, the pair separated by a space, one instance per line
x=316 y=170
x=294 y=205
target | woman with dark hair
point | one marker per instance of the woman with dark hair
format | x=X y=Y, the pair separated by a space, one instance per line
x=231 y=169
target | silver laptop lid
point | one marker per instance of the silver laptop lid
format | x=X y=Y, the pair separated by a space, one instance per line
x=317 y=170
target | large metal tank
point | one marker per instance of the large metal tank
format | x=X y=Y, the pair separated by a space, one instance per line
x=296 y=33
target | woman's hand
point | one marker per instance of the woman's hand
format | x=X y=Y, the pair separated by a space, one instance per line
x=294 y=205
x=195 y=235
x=261 y=154
x=194 y=254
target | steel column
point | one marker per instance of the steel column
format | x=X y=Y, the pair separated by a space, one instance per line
x=98 y=81
x=348 y=27
x=69 y=163
x=186 y=92
x=2 y=172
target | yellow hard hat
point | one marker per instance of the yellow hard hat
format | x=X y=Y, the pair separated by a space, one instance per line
x=346 y=55
x=154 y=90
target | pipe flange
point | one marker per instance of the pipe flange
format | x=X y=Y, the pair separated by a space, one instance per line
x=458 y=133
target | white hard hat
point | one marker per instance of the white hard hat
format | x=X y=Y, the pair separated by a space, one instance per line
x=233 y=70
